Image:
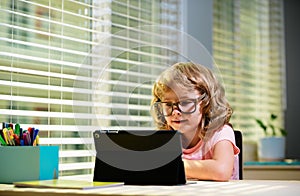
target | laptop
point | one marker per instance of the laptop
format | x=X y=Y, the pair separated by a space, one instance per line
x=139 y=157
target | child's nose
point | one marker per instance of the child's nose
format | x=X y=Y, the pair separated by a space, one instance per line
x=176 y=110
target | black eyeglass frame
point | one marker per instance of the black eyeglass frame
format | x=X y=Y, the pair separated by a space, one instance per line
x=195 y=101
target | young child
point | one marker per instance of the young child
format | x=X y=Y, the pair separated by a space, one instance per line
x=187 y=97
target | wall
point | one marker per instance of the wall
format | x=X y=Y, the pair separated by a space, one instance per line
x=292 y=43
x=197 y=21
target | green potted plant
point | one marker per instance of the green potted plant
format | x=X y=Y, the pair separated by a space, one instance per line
x=271 y=147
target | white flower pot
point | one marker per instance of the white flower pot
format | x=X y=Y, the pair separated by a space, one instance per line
x=271 y=149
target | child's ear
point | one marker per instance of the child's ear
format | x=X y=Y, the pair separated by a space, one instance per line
x=200 y=109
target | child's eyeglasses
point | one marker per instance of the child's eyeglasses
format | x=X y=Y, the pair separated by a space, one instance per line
x=187 y=106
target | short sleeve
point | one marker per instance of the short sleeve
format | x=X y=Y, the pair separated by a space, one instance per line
x=226 y=133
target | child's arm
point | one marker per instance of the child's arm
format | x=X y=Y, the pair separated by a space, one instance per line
x=219 y=168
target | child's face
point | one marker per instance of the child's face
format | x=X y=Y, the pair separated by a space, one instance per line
x=187 y=124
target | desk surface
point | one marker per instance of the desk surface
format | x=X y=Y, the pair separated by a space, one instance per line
x=238 y=187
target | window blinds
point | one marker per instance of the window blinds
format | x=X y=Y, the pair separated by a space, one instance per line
x=70 y=67
x=42 y=46
x=248 y=48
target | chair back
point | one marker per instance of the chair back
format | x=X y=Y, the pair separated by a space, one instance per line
x=239 y=143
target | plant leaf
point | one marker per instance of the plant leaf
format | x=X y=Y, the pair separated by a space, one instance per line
x=273 y=117
x=273 y=129
x=262 y=125
x=283 y=132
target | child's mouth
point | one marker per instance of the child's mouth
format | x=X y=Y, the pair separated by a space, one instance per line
x=179 y=121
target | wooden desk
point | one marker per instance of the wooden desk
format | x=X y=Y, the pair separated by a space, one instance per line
x=239 y=187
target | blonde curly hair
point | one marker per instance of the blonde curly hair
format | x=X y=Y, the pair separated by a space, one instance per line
x=215 y=109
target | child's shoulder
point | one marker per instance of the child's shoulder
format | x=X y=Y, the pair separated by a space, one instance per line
x=226 y=130
x=227 y=127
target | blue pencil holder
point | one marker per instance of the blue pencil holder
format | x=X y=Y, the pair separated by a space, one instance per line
x=24 y=163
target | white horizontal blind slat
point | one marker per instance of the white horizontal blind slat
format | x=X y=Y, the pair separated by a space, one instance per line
x=75 y=153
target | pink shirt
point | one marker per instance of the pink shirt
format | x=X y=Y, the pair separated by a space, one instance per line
x=202 y=151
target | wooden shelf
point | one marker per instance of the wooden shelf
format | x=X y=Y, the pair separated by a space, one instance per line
x=272 y=171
